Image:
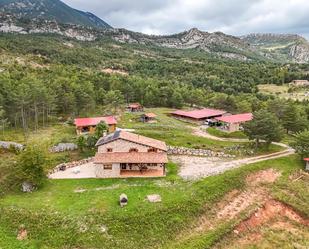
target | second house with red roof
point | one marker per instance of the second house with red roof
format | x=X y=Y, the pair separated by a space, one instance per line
x=88 y=125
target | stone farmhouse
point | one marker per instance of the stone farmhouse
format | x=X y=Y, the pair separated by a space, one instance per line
x=88 y=125
x=124 y=154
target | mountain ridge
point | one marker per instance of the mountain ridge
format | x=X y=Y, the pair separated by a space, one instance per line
x=53 y=10
x=29 y=17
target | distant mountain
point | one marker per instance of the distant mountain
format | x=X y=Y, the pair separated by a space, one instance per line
x=216 y=43
x=54 y=17
x=53 y=10
x=282 y=47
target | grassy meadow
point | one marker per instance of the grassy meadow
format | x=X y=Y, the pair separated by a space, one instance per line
x=85 y=213
x=284 y=91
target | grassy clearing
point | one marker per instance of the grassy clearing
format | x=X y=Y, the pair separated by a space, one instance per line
x=174 y=132
x=283 y=91
x=50 y=135
x=57 y=217
x=218 y=133
x=273 y=89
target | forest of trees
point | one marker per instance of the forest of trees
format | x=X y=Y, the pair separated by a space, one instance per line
x=51 y=80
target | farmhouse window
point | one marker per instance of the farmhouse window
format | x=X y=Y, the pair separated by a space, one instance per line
x=133 y=150
x=108 y=166
x=109 y=150
x=152 y=150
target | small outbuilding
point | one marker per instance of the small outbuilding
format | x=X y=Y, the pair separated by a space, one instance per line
x=148 y=117
x=135 y=107
x=307 y=163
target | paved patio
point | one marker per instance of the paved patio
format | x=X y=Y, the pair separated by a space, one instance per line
x=85 y=171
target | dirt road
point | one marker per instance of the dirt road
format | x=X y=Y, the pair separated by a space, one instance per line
x=193 y=168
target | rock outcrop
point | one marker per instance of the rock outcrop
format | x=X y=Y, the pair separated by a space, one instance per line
x=9 y=145
x=63 y=147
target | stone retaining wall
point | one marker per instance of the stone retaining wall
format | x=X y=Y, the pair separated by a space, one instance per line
x=196 y=152
x=64 y=166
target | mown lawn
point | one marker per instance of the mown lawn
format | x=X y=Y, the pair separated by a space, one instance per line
x=58 y=217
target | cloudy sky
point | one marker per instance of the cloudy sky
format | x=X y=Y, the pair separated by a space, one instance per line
x=234 y=17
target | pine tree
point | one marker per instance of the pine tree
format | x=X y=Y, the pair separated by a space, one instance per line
x=265 y=126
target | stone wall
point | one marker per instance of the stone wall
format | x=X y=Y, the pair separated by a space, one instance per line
x=64 y=166
x=196 y=152
x=100 y=172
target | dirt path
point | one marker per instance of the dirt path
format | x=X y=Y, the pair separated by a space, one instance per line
x=194 y=168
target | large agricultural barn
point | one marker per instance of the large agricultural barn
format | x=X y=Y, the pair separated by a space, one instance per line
x=199 y=116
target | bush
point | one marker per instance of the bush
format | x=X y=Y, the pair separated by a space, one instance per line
x=30 y=167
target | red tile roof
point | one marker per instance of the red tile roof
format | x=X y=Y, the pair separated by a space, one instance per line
x=238 y=118
x=306 y=159
x=135 y=105
x=131 y=157
x=150 y=115
x=200 y=114
x=133 y=138
x=81 y=122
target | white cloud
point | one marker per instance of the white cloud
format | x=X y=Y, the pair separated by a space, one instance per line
x=235 y=17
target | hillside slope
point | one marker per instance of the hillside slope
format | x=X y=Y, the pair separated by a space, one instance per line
x=281 y=47
x=218 y=44
x=53 y=10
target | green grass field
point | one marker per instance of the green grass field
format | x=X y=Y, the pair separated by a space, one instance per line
x=58 y=217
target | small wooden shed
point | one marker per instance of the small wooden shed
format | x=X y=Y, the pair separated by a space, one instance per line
x=148 y=117
x=135 y=107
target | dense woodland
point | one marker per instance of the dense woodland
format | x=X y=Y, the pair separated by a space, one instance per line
x=43 y=77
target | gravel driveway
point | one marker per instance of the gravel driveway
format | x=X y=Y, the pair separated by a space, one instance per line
x=193 y=168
